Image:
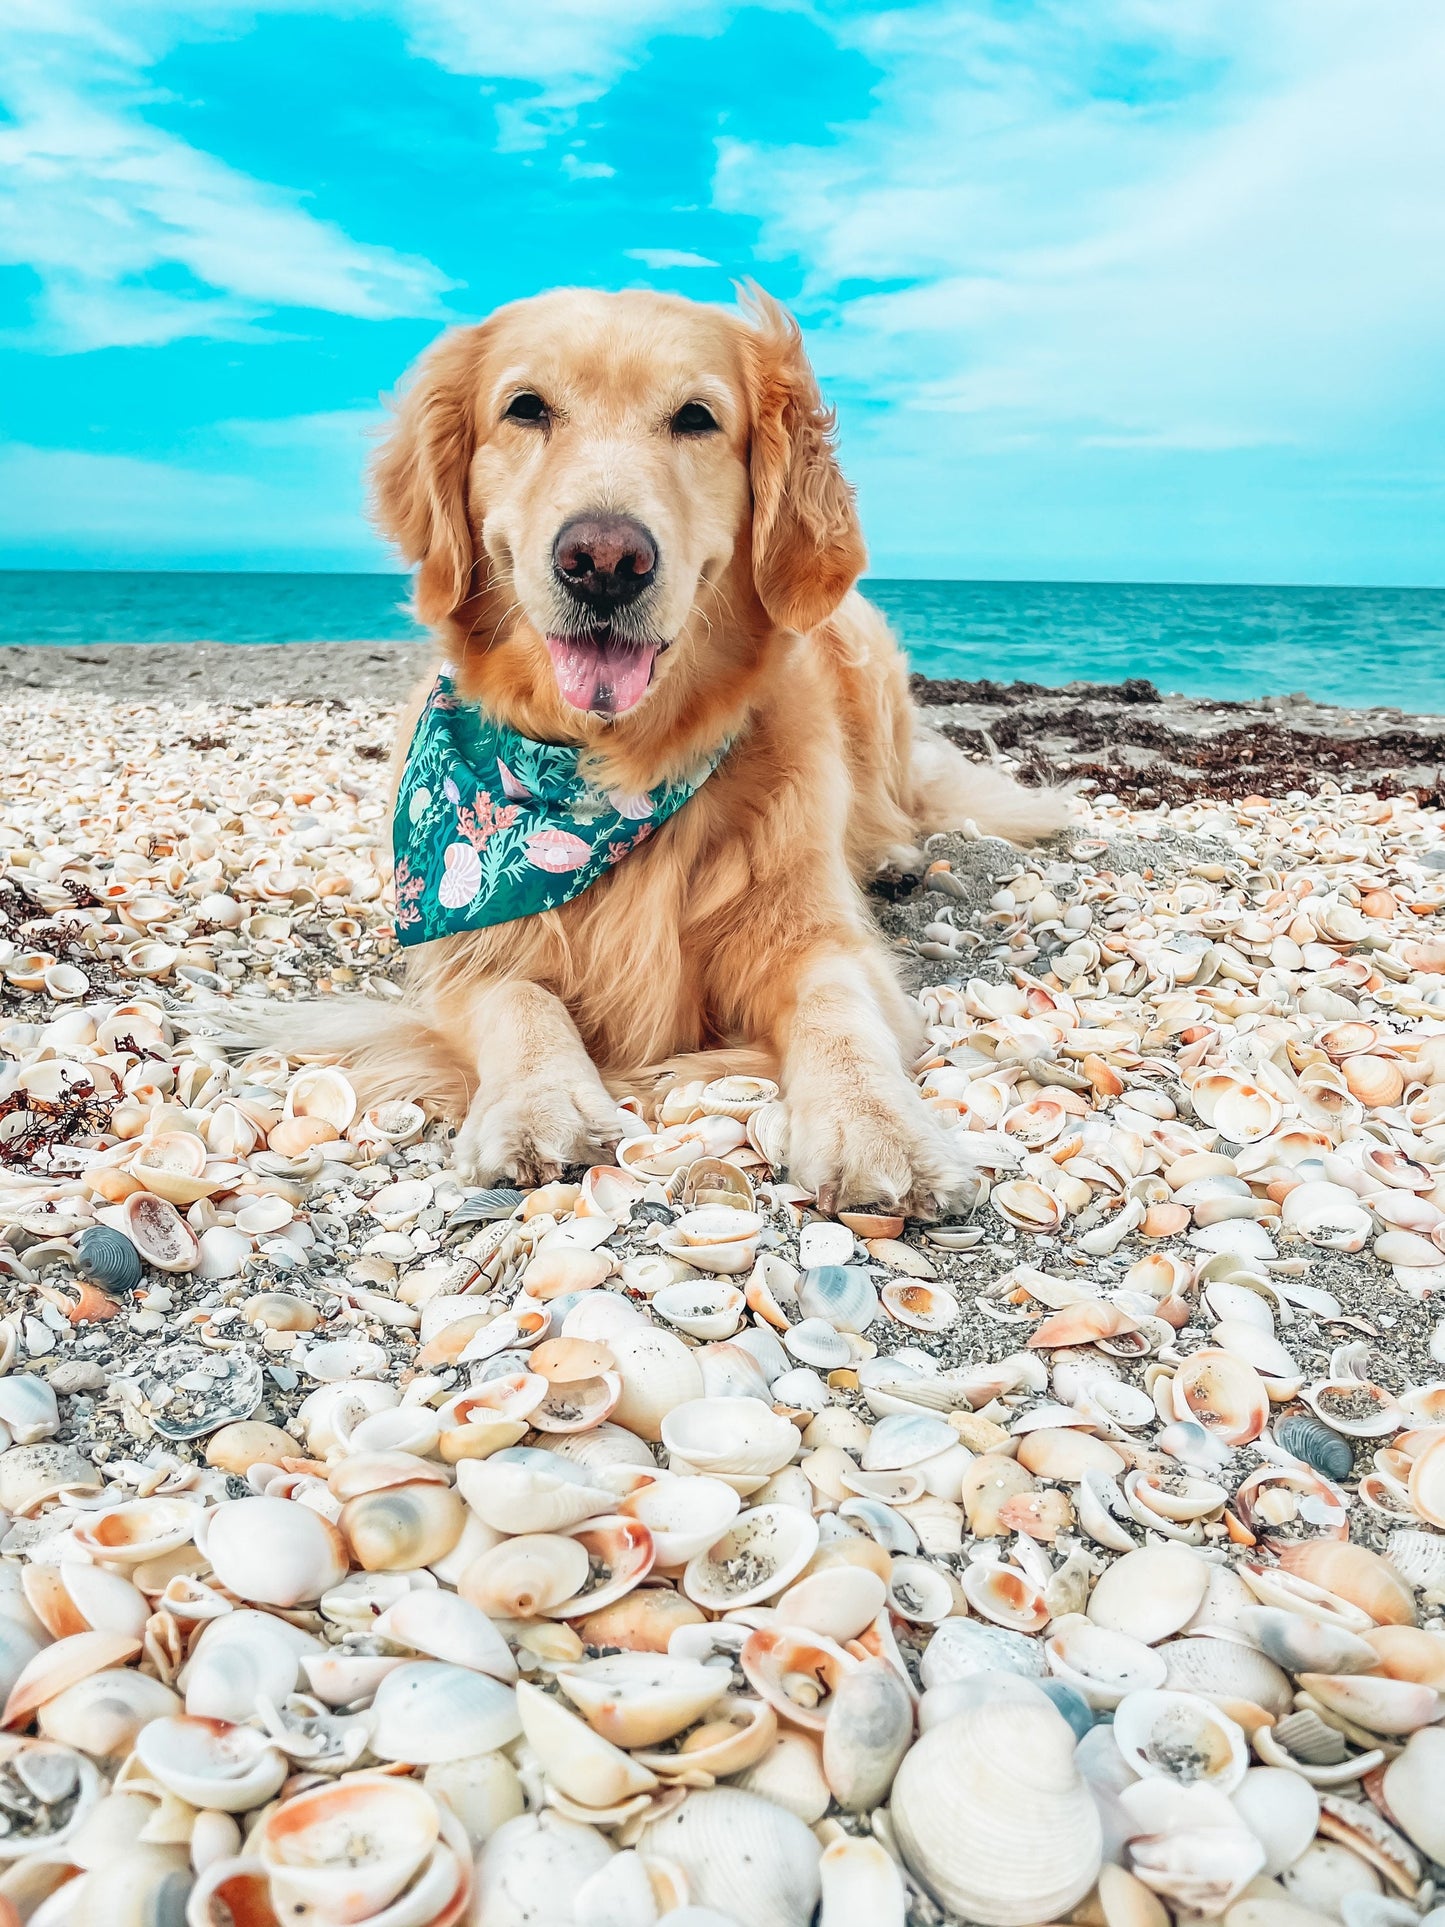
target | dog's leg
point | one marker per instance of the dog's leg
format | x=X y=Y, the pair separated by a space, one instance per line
x=540 y=1104
x=859 y=1131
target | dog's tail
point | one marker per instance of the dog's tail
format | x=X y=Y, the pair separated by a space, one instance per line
x=951 y=790
x=388 y=1050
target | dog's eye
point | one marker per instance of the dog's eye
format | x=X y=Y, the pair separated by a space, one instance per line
x=526 y=407
x=693 y=419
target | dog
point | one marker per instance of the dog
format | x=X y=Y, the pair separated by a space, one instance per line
x=631 y=534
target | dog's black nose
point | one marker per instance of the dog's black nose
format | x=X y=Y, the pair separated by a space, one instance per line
x=605 y=561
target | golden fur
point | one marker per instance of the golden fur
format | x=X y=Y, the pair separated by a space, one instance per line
x=741 y=923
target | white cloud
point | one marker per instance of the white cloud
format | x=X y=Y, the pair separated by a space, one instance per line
x=1242 y=244
x=97 y=202
x=571 y=49
x=669 y=258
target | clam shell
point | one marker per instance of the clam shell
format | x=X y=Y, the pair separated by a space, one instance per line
x=1281 y=1809
x=102 y=1714
x=211 y=1763
x=1411 y=1790
x=684 y=1515
x=763 y=1551
x=444 y=1626
x=639 y=1699
x=962 y=1648
x=348 y=1849
x=110 y=1258
x=993 y=1819
x=527 y=1576
x=1182 y=1736
x=867 y=1733
x=1101 y=1664
x=427 y=1712
x=748 y=1858
x=1149 y=1593
x=578 y=1761
x=1224 y=1394
x=841 y=1294
x=739 y=1440
x=543 y=1492
x=532 y=1867
x=1354 y=1574
x=159 y=1233
x=273 y=1552
x=658 y=1372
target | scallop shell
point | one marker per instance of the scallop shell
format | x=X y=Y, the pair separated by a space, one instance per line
x=993 y=1819
x=747 y=1858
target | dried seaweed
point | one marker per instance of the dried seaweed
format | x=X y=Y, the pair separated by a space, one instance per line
x=50 y=1122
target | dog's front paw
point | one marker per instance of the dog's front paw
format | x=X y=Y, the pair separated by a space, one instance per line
x=879 y=1145
x=528 y=1134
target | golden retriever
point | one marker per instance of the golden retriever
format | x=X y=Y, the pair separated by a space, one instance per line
x=631 y=533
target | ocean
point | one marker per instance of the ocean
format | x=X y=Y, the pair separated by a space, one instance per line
x=1359 y=647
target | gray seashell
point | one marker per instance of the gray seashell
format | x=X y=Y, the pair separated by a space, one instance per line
x=109 y=1258
x=484 y=1207
x=1316 y=1444
x=218 y=1389
x=841 y=1294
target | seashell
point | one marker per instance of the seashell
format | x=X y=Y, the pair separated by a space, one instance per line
x=739 y=1440
x=639 y=1699
x=714 y=1238
x=1419 y=1558
x=542 y=1492
x=1027 y=1206
x=763 y=1551
x=272 y=1552
x=400 y=1527
x=961 y=1648
x=102 y=1715
x=1182 y=1736
x=658 y=1373
x=919 y=1592
x=427 y=1713
x=41 y=1779
x=1316 y=1444
x=31 y=1474
x=1006 y=1596
x=684 y=1516
x=238 y=1660
x=1223 y=1394
x=1084 y=1323
x=527 y=1576
x=839 y=1602
x=840 y=1294
x=1354 y=1574
x=816 y=1343
x=1101 y=1664
x=578 y=1762
x=324 y=1093
x=1300 y=1642
x=532 y=1868
x=140 y=1530
x=1281 y=1809
x=747 y=1858
x=1354 y=1407
x=900 y=1440
x=1381 y=1705
x=868 y=1730
x=922 y=1307
x=211 y=1763
x=1291 y=1495
x=1411 y=1791
x=72 y=1597
x=1427 y=1482
x=444 y=1626
x=993 y=1819
x=1202 y=1868
x=1149 y=1593
x=348 y=1849
x=110 y=1258
x=159 y=1233
x=701 y=1310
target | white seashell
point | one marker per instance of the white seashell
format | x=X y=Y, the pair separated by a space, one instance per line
x=1381 y=1705
x=840 y=1294
x=862 y=1886
x=838 y=1601
x=993 y=1819
x=211 y=1763
x=823 y=1242
x=658 y=1372
x=28 y=1408
x=526 y=1577
x=1183 y=1736
x=739 y=1440
x=483 y=1791
x=348 y=1849
x=1223 y=1670
x=684 y=1515
x=444 y=1626
x=702 y=1310
x=1411 y=1790
x=324 y=1093
x=748 y=1858
x=578 y=1761
x=102 y=1714
x=791 y=1775
x=1149 y=1593
x=1101 y=1664
x=922 y=1307
x=1006 y=1596
x=763 y=1551
x=426 y=1712
x=918 y=1591
x=639 y=1699
x=543 y=1492
x=239 y=1660
x=273 y=1552
x=899 y=1441
x=962 y=1648
x=1281 y=1809
x=813 y=1341
x=531 y=1869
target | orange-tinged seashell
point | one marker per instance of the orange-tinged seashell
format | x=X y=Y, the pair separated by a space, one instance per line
x=1410 y=1652
x=1164 y=1221
x=1226 y=1396
x=567 y=1268
x=1379 y=903
x=1102 y=1076
x=85 y=1304
x=1376 y=1081
x=60 y=1665
x=1041 y=1515
x=1081 y=1324
x=293 y=1135
x=988 y=1482
x=642 y=1621
x=561 y=1361
x=1355 y=1574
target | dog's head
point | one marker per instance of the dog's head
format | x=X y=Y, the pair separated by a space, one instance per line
x=616 y=477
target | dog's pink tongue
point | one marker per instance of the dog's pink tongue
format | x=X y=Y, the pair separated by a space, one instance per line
x=601 y=674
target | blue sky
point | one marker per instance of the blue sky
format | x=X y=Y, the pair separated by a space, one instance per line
x=1133 y=289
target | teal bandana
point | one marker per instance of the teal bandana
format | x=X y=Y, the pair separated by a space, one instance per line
x=490 y=826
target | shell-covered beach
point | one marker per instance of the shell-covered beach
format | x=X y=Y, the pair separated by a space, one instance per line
x=648 y=1547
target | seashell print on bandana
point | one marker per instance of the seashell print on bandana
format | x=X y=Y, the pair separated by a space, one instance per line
x=490 y=826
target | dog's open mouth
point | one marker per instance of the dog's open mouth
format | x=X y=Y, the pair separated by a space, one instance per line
x=602 y=672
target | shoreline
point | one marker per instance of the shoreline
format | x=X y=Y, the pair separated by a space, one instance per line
x=1124 y=739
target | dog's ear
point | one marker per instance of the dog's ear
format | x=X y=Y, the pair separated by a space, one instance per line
x=419 y=476
x=807 y=546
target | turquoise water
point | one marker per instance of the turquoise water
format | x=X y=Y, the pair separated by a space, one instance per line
x=1356 y=646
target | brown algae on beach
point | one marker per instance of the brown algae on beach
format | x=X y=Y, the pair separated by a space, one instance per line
x=377 y=1549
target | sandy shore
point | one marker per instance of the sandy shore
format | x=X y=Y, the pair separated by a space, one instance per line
x=1126 y=739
